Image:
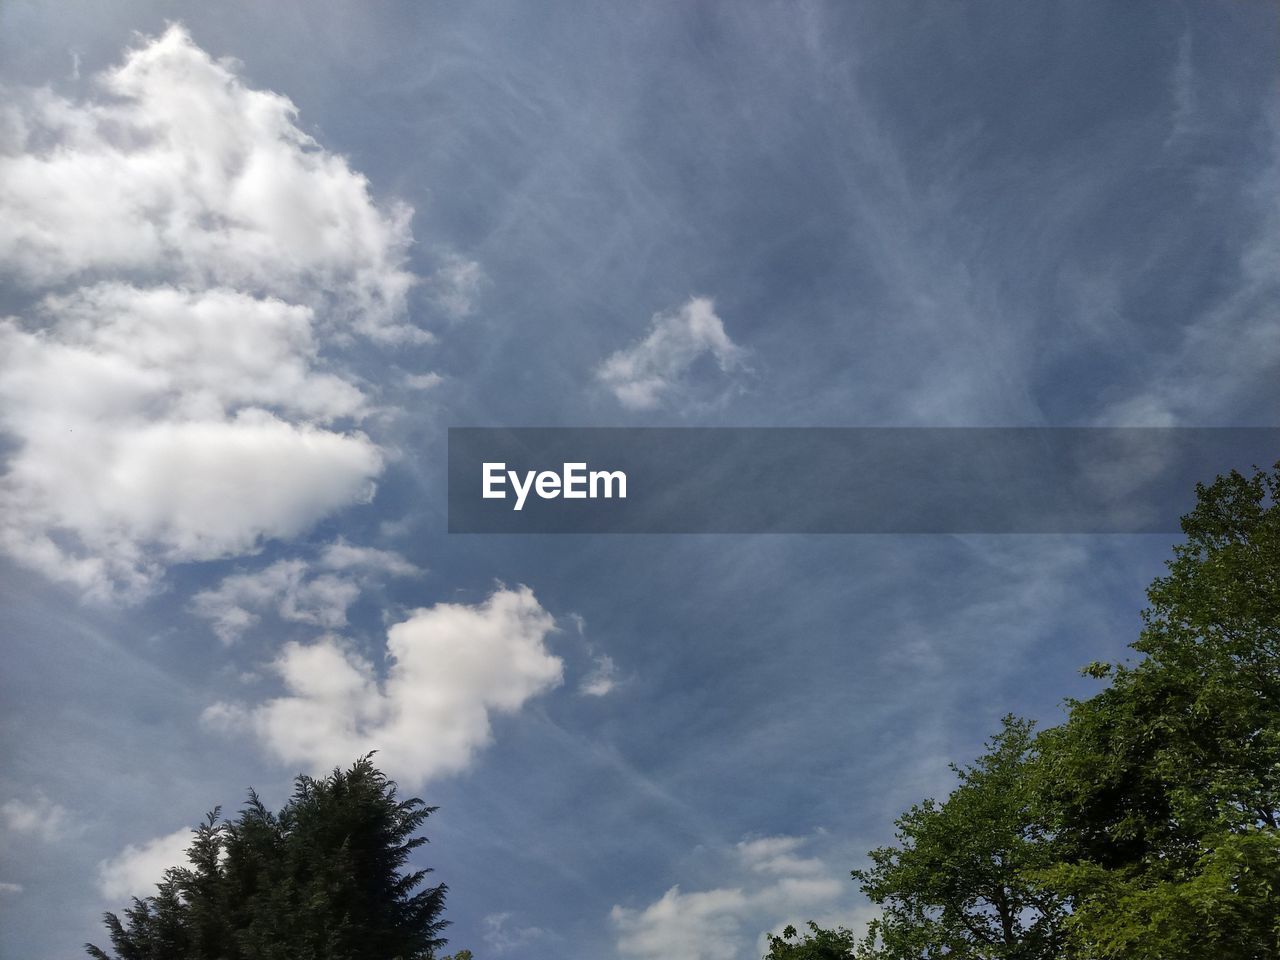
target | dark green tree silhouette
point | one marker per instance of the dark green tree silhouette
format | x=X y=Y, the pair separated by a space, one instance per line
x=323 y=879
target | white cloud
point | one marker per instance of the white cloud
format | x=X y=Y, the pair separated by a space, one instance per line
x=602 y=678
x=655 y=370
x=318 y=593
x=771 y=886
x=341 y=555
x=422 y=381
x=685 y=926
x=38 y=817
x=501 y=935
x=136 y=870
x=11 y=888
x=451 y=666
x=171 y=401
x=456 y=284
x=777 y=855
x=179 y=170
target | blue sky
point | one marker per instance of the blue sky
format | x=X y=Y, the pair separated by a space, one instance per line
x=255 y=260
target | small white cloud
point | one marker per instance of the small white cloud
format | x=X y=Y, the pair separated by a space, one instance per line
x=706 y=925
x=602 y=678
x=38 y=817
x=285 y=587
x=344 y=556
x=451 y=667
x=777 y=855
x=423 y=381
x=136 y=870
x=502 y=935
x=296 y=590
x=10 y=888
x=456 y=284
x=655 y=370
x=728 y=922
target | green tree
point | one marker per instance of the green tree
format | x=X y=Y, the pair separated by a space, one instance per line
x=817 y=944
x=322 y=879
x=1163 y=791
x=961 y=879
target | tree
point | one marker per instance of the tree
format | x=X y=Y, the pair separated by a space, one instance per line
x=960 y=881
x=322 y=879
x=817 y=944
x=1164 y=789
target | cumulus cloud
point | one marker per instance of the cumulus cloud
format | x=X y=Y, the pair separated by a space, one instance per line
x=10 y=888
x=771 y=886
x=39 y=817
x=189 y=251
x=137 y=869
x=656 y=370
x=450 y=668
x=316 y=592
x=180 y=171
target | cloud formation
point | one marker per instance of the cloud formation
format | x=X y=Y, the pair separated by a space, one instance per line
x=188 y=251
x=772 y=886
x=297 y=590
x=179 y=172
x=502 y=934
x=656 y=369
x=456 y=285
x=138 y=868
x=39 y=817
x=450 y=667
x=602 y=678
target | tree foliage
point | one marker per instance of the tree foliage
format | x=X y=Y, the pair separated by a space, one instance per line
x=1147 y=825
x=961 y=880
x=1164 y=789
x=817 y=944
x=323 y=879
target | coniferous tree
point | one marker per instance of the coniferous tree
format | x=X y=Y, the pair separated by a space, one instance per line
x=323 y=879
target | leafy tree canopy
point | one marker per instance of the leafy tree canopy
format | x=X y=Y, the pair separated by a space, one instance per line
x=817 y=944
x=1144 y=827
x=961 y=880
x=1163 y=791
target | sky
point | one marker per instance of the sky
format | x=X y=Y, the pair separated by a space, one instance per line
x=255 y=259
